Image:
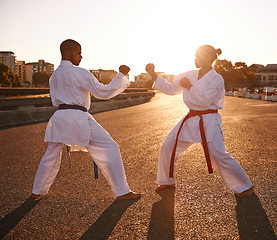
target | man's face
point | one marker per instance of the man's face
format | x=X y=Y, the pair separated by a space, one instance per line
x=76 y=56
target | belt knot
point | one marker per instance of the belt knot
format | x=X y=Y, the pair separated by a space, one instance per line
x=193 y=113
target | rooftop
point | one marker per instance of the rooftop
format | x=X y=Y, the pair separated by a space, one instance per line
x=271 y=66
x=7 y=52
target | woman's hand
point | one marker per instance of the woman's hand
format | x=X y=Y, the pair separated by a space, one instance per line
x=150 y=69
x=185 y=82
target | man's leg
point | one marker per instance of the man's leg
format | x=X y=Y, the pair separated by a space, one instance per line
x=105 y=152
x=226 y=165
x=165 y=157
x=48 y=169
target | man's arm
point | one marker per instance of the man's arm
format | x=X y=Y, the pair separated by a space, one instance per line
x=107 y=91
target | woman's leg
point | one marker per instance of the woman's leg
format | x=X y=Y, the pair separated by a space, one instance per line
x=165 y=157
x=226 y=165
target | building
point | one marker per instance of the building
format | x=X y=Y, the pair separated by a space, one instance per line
x=142 y=79
x=266 y=75
x=35 y=67
x=104 y=76
x=8 y=58
x=21 y=71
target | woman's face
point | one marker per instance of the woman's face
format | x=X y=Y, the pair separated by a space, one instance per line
x=202 y=59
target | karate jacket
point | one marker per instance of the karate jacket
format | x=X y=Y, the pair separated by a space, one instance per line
x=72 y=85
x=206 y=93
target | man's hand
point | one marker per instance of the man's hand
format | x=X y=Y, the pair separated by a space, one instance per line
x=185 y=82
x=124 y=69
x=150 y=69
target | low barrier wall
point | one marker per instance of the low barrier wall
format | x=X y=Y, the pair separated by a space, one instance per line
x=35 y=109
x=8 y=92
x=266 y=97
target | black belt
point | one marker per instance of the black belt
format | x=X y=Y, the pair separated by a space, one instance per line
x=67 y=106
x=77 y=107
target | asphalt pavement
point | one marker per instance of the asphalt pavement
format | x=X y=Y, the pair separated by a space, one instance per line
x=201 y=207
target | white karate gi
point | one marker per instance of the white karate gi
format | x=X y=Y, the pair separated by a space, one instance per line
x=72 y=85
x=205 y=93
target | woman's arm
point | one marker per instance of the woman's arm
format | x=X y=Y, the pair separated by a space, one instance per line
x=162 y=85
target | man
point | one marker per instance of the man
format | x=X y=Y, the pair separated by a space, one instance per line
x=71 y=88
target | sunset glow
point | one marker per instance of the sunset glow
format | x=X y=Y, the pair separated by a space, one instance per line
x=166 y=33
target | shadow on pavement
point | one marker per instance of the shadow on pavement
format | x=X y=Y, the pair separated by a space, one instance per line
x=13 y=218
x=252 y=220
x=162 y=218
x=105 y=224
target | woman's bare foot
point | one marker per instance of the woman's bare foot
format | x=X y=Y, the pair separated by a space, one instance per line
x=246 y=193
x=36 y=196
x=165 y=186
x=130 y=195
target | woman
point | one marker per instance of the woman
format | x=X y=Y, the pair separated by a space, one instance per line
x=203 y=93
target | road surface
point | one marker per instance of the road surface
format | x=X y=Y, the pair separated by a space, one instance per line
x=201 y=207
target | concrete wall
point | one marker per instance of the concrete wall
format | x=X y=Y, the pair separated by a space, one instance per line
x=21 y=111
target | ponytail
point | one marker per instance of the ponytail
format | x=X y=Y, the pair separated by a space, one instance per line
x=218 y=51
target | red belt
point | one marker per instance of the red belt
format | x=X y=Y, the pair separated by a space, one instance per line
x=193 y=113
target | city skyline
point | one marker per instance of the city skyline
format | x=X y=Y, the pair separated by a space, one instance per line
x=166 y=33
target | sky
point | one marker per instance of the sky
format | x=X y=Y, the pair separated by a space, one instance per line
x=136 y=32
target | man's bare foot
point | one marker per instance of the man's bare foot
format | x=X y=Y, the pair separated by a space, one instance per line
x=36 y=196
x=246 y=193
x=165 y=186
x=130 y=195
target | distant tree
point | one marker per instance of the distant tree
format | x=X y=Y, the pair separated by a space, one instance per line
x=240 y=65
x=237 y=75
x=226 y=70
x=7 y=77
x=246 y=76
x=41 y=79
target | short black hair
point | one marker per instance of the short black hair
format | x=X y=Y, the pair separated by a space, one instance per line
x=68 y=44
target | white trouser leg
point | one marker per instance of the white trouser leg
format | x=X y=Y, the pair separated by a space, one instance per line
x=105 y=152
x=165 y=157
x=48 y=168
x=229 y=169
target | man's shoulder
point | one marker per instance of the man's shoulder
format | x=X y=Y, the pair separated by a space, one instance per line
x=72 y=68
x=79 y=69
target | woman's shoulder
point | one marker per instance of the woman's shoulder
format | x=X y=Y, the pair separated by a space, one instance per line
x=217 y=75
x=189 y=73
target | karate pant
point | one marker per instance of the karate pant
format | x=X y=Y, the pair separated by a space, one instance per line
x=104 y=151
x=229 y=169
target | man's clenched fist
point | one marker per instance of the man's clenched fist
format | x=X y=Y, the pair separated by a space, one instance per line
x=124 y=69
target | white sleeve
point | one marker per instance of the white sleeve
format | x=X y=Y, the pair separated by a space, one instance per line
x=205 y=95
x=169 y=88
x=107 y=91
